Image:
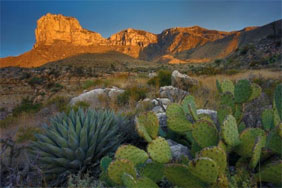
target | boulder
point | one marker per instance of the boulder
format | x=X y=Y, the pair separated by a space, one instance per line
x=178 y=150
x=172 y=93
x=182 y=81
x=93 y=97
x=211 y=113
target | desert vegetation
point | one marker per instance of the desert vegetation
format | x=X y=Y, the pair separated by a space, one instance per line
x=129 y=139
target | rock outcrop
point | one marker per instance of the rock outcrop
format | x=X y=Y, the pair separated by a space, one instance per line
x=182 y=81
x=59 y=37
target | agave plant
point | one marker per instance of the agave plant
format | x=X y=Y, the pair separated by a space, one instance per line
x=76 y=140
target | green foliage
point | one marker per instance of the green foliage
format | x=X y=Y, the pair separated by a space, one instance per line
x=27 y=106
x=61 y=103
x=134 y=93
x=242 y=91
x=86 y=180
x=118 y=167
x=74 y=140
x=176 y=119
x=159 y=150
x=154 y=171
x=163 y=78
x=229 y=131
x=278 y=100
x=267 y=119
x=25 y=134
x=205 y=133
x=132 y=153
x=189 y=106
x=147 y=125
x=271 y=172
x=259 y=144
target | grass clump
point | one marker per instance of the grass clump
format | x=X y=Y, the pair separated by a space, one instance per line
x=25 y=134
x=163 y=78
x=131 y=95
x=27 y=106
x=60 y=102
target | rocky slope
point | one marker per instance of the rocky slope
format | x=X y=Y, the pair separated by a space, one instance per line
x=58 y=37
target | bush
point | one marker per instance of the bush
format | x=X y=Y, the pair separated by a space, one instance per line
x=162 y=79
x=26 y=134
x=27 y=106
x=57 y=87
x=35 y=81
x=134 y=93
x=84 y=181
x=60 y=102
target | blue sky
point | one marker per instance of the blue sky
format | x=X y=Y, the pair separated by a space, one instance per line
x=18 y=18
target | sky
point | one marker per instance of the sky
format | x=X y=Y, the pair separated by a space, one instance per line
x=18 y=18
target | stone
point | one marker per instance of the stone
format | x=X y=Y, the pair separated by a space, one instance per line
x=93 y=97
x=211 y=113
x=172 y=93
x=152 y=74
x=182 y=81
x=162 y=119
x=178 y=150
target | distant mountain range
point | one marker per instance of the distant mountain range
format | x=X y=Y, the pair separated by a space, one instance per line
x=59 y=37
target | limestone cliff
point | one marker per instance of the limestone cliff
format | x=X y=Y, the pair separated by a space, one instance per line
x=58 y=37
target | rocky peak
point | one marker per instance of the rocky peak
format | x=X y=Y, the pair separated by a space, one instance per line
x=133 y=37
x=51 y=28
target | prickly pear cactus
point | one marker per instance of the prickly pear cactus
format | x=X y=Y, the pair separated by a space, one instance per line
x=179 y=175
x=222 y=112
x=229 y=131
x=205 y=133
x=227 y=99
x=159 y=150
x=271 y=172
x=259 y=144
x=118 y=167
x=227 y=86
x=145 y=182
x=218 y=155
x=267 y=119
x=256 y=91
x=248 y=139
x=189 y=100
x=154 y=171
x=176 y=119
x=132 y=153
x=278 y=100
x=242 y=91
x=105 y=162
x=204 y=168
x=148 y=125
x=274 y=142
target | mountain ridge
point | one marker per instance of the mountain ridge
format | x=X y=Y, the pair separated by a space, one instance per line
x=58 y=37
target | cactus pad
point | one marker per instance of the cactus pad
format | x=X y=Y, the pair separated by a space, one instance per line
x=205 y=133
x=159 y=150
x=229 y=131
x=227 y=99
x=248 y=139
x=280 y=130
x=256 y=91
x=274 y=141
x=131 y=153
x=218 y=155
x=150 y=122
x=176 y=119
x=218 y=86
x=145 y=182
x=227 y=86
x=205 y=169
x=222 y=112
x=128 y=180
x=256 y=152
x=118 y=167
x=238 y=112
x=241 y=127
x=105 y=162
x=271 y=172
x=278 y=100
x=195 y=148
x=189 y=100
x=154 y=171
x=180 y=175
x=267 y=119
x=242 y=91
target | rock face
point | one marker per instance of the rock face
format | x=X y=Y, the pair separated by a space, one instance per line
x=51 y=28
x=59 y=37
x=172 y=93
x=182 y=81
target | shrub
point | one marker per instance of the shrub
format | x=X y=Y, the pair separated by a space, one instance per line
x=162 y=79
x=88 y=83
x=25 y=134
x=60 y=102
x=36 y=81
x=86 y=180
x=134 y=93
x=57 y=87
x=76 y=140
x=26 y=106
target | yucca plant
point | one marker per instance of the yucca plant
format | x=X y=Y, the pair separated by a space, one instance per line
x=75 y=141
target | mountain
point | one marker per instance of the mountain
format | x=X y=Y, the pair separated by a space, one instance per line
x=58 y=37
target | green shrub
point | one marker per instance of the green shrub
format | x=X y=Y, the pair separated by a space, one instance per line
x=60 y=102
x=88 y=83
x=86 y=180
x=36 y=81
x=134 y=93
x=26 y=106
x=57 y=87
x=26 y=134
x=163 y=78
